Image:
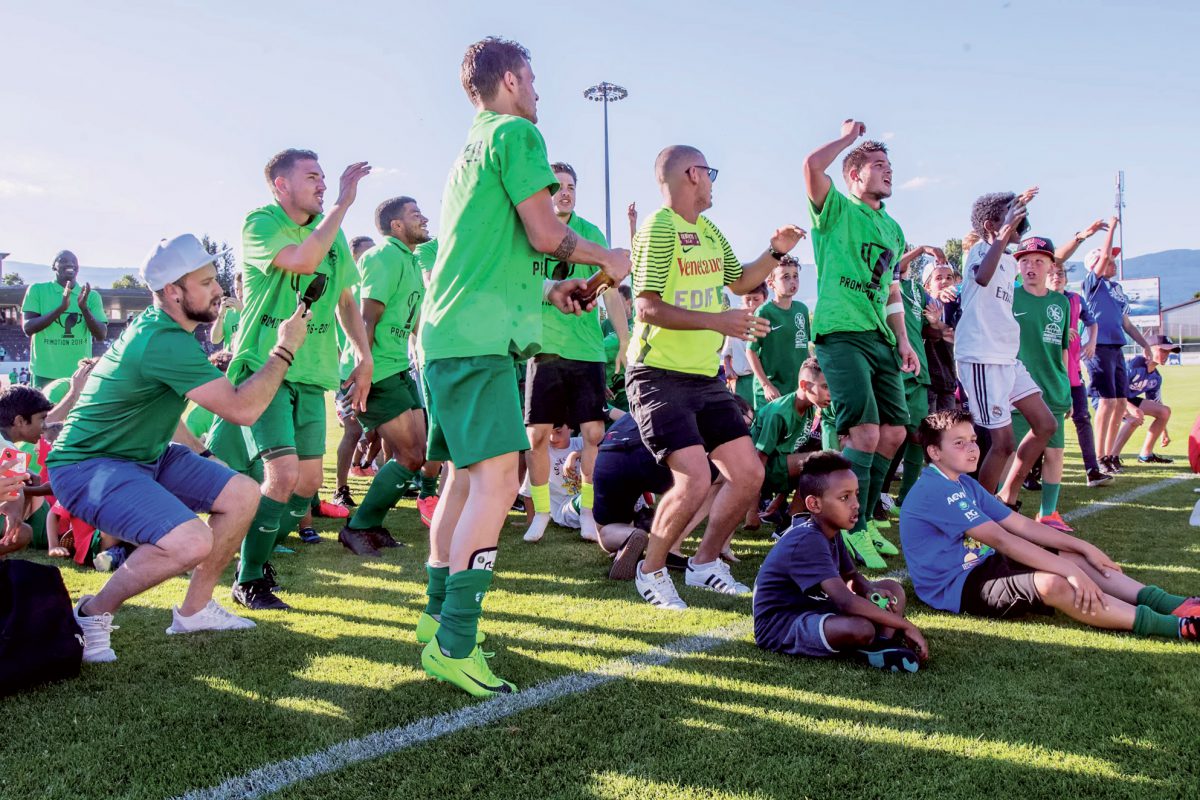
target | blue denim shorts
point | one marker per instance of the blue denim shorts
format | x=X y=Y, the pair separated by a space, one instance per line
x=140 y=503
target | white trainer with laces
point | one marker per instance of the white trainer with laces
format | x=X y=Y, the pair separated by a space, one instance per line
x=714 y=576
x=97 y=633
x=537 y=528
x=657 y=589
x=213 y=617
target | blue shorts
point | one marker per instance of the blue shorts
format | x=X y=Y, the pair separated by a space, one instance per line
x=1107 y=372
x=140 y=503
x=806 y=636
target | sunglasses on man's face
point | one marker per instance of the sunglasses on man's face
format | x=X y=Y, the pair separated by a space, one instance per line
x=712 y=173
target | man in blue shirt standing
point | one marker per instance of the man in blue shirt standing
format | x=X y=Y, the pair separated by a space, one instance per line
x=1145 y=400
x=1107 y=304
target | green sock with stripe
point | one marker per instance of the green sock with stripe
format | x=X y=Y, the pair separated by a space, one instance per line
x=260 y=538
x=860 y=463
x=389 y=485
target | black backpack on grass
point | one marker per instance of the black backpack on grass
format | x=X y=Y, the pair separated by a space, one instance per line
x=39 y=638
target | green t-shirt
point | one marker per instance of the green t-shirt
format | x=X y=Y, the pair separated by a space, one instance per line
x=426 y=254
x=56 y=390
x=135 y=396
x=391 y=275
x=785 y=348
x=229 y=326
x=689 y=266
x=346 y=358
x=485 y=294
x=56 y=351
x=271 y=297
x=915 y=299
x=198 y=420
x=778 y=429
x=574 y=337
x=1044 y=323
x=858 y=253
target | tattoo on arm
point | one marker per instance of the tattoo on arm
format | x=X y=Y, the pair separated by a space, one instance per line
x=566 y=247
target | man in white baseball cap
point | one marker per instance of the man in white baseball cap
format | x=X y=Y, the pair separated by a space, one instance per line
x=114 y=464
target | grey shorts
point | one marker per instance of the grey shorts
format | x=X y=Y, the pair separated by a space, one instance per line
x=806 y=637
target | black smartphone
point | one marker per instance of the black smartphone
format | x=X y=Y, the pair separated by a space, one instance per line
x=314 y=291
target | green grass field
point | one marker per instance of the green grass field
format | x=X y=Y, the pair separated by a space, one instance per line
x=1039 y=708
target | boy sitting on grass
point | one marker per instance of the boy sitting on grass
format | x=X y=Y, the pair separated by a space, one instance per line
x=810 y=600
x=969 y=553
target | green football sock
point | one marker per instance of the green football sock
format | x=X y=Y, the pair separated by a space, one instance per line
x=880 y=464
x=587 y=494
x=860 y=462
x=914 y=462
x=1049 y=498
x=314 y=505
x=297 y=509
x=389 y=485
x=461 y=611
x=540 y=492
x=260 y=539
x=1159 y=600
x=1148 y=622
x=436 y=590
x=428 y=486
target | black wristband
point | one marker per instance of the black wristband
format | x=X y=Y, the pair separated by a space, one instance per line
x=206 y=453
x=281 y=354
x=284 y=349
x=775 y=254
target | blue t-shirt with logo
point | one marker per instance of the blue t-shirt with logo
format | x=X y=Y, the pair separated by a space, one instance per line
x=1106 y=302
x=934 y=520
x=789 y=581
x=1142 y=381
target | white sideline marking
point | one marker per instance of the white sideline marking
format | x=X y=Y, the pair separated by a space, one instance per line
x=282 y=774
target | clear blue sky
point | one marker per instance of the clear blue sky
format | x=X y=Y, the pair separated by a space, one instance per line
x=126 y=122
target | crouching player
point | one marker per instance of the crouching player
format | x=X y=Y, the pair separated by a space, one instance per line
x=810 y=600
x=969 y=553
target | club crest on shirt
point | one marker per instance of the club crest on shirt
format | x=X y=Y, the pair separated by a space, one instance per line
x=1055 y=313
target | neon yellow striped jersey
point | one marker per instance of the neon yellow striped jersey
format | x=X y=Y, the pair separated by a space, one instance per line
x=688 y=265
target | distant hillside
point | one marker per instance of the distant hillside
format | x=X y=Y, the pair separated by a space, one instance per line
x=99 y=277
x=1178 y=272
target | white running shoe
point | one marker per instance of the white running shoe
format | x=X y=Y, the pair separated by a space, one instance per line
x=714 y=576
x=587 y=526
x=658 y=589
x=97 y=633
x=213 y=617
x=537 y=528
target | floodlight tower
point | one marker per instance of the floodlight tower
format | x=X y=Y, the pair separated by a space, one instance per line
x=606 y=93
x=1121 y=223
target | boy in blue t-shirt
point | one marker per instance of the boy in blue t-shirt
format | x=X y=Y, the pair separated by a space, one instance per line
x=810 y=600
x=969 y=553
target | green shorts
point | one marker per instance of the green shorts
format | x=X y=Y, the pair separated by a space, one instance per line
x=293 y=424
x=776 y=480
x=1058 y=439
x=916 y=397
x=232 y=444
x=745 y=388
x=863 y=373
x=474 y=409
x=389 y=398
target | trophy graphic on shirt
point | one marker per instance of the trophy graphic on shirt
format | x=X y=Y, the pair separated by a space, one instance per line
x=68 y=322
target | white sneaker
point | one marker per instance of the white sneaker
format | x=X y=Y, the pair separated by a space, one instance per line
x=97 y=633
x=714 y=576
x=210 y=618
x=587 y=526
x=658 y=589
x=537 y=528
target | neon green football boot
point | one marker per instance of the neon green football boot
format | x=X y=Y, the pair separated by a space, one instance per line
x=882 y=545
x=863 y=548
x=471 y=674
x=427 y=628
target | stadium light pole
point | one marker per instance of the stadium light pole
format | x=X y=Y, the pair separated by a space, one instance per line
x=1121 y=224
x=606 y=93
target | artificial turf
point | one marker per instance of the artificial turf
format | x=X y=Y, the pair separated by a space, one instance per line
x=1033 y=708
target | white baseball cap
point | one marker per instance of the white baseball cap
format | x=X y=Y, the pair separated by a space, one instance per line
x=171 y=259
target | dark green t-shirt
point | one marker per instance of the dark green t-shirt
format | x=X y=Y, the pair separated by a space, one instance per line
x=485 y=294
x=229 y=326
x=915 y=299
x=55 y=351
x=784 y=349
x=575 y=337
x=271 y=297
x=858 y=253
x=778 y=429
x=392 y=276
x=132 y=403
x=1044 y=323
